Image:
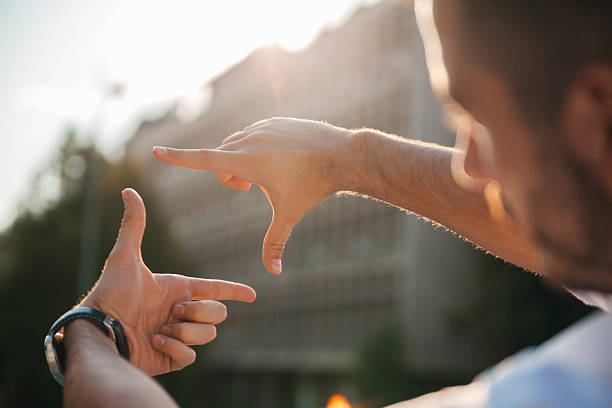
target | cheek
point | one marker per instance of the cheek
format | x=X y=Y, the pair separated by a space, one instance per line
x=536 y=190
x=516 y=168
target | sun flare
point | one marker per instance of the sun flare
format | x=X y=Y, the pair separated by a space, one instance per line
x=338 y=401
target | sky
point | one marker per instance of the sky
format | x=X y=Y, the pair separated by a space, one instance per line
x=58 y=57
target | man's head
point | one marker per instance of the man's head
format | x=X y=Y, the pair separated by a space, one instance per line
x=538 y=76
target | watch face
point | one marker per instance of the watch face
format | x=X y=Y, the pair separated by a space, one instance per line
x=52 y=360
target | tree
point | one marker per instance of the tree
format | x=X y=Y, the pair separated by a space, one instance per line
x=38 y=281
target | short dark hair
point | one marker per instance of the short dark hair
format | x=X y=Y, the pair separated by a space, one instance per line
x=538 y=46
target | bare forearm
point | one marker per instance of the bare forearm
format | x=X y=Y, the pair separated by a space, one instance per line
x=96 y=376
x=417 y=177
x=300 y=162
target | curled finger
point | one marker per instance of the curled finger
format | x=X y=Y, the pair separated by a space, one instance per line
x=234 y=137
x=230 y=181
x=257 y=124
x=179 y=353
x=201 y=311
x=190 y=333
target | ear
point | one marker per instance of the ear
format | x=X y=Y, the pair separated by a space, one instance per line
x=467 y=163
x=587 y=122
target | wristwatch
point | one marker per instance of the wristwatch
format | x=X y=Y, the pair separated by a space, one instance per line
x=54 y=348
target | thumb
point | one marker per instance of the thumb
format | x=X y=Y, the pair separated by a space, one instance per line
x=133 y=222
x=274 y=243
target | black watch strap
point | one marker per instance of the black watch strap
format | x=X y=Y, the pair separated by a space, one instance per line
x=112 y=326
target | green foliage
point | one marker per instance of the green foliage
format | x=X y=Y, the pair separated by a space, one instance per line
x=39 y=280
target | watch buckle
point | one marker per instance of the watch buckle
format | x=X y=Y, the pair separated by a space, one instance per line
x=108 y=323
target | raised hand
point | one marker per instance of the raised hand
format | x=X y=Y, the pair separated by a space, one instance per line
x=297 y=163
x=162 y=314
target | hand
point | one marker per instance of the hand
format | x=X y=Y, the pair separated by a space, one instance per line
x=181 y=308
x=297 y=163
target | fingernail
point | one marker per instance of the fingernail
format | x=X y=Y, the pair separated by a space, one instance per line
x=158 y=340
x=277 y=266
x=179 y=310
x=161 y=151
x=165 y=330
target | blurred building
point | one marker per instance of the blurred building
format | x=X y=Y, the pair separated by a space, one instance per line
x=352 y=267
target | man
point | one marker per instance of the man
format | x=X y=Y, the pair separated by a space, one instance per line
x=529 y=86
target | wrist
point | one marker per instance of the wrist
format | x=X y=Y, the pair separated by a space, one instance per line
x=84 y=340
x=90 y=301
x=359 y=170
x=82 y=332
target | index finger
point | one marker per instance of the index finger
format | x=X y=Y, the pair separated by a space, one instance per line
x=213 y=289
x=200 y=159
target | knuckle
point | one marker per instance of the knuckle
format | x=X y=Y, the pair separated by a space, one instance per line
x=215 y=290
x=275 y=238
x=130 y=217
x=254 y=124
x=257 y=135
x=276 y=246
x=188 y=312
x=233 y=136
x=275 y=243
